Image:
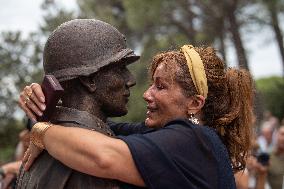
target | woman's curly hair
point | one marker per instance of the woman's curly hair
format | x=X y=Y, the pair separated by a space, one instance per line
x=229 y=105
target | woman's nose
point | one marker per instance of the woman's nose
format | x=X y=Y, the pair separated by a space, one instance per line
x=147 y=95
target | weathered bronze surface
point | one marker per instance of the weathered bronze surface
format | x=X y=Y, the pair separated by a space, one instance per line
x=88 y=57
x=49 y=173
x=83 y=46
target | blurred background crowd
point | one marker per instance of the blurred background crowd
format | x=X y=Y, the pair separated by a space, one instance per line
x=152 y=26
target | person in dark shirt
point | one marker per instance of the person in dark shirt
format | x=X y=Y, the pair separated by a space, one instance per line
x=196 y=133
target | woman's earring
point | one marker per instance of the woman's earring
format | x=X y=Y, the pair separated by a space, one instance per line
x=193 y=119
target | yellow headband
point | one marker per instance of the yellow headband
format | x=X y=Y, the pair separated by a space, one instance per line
x=196 y=69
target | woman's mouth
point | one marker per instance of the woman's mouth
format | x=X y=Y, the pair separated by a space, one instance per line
x=151 y=110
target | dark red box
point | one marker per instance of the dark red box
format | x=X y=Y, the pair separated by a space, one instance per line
x=53 y=92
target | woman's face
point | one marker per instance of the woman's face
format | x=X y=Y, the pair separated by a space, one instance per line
x=165 y=99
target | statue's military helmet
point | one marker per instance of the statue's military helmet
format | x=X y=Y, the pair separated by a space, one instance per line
x=81 y=47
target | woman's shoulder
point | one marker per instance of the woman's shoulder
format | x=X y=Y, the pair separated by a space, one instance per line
x=209 y=142
x=204 y=134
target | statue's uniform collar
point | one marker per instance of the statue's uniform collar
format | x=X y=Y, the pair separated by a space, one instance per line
x=76 y=118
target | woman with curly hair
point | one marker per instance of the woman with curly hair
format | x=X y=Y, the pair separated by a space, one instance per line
x=197 y=130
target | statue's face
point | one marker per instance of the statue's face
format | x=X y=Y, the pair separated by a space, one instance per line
x=112 y=92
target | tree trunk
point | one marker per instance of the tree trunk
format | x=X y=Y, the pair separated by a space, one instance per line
x=222 y=47
x=278 y=34
x=234 y=29
x=190 y=16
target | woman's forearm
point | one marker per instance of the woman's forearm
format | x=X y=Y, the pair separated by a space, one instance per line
x=92 y=153
x=66 y=145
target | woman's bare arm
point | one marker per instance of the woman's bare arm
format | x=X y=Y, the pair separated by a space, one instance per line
x=89 y=152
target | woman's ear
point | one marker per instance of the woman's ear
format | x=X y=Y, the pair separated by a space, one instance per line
x=88 y=82
x=196 y=104
x=200 y=101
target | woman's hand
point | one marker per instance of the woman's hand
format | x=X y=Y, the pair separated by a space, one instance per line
x=32 y=101
x=31 y=154
x=12 y=167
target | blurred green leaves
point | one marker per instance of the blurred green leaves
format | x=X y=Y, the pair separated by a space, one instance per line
x=272 y=92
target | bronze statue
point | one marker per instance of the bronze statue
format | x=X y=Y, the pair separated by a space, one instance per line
x=89 y=58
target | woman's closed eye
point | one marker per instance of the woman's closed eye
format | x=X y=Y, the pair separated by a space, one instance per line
x=160 y=86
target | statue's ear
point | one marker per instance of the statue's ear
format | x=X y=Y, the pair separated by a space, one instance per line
x=88 y=82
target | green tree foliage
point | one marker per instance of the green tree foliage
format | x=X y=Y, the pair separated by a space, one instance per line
x=9 y=139
x=53 y=17
x=19 y=63
x=272 y=91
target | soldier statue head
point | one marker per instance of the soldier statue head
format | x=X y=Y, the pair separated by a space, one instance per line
x=89 y=58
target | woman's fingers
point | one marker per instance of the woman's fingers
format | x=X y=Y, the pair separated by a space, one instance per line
x=26 y=156
x=28 y=163
x=35 y=94
x=38 y=92
x=31 y=154
x=29 y=107
x=23 y=104
x=32 y=101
